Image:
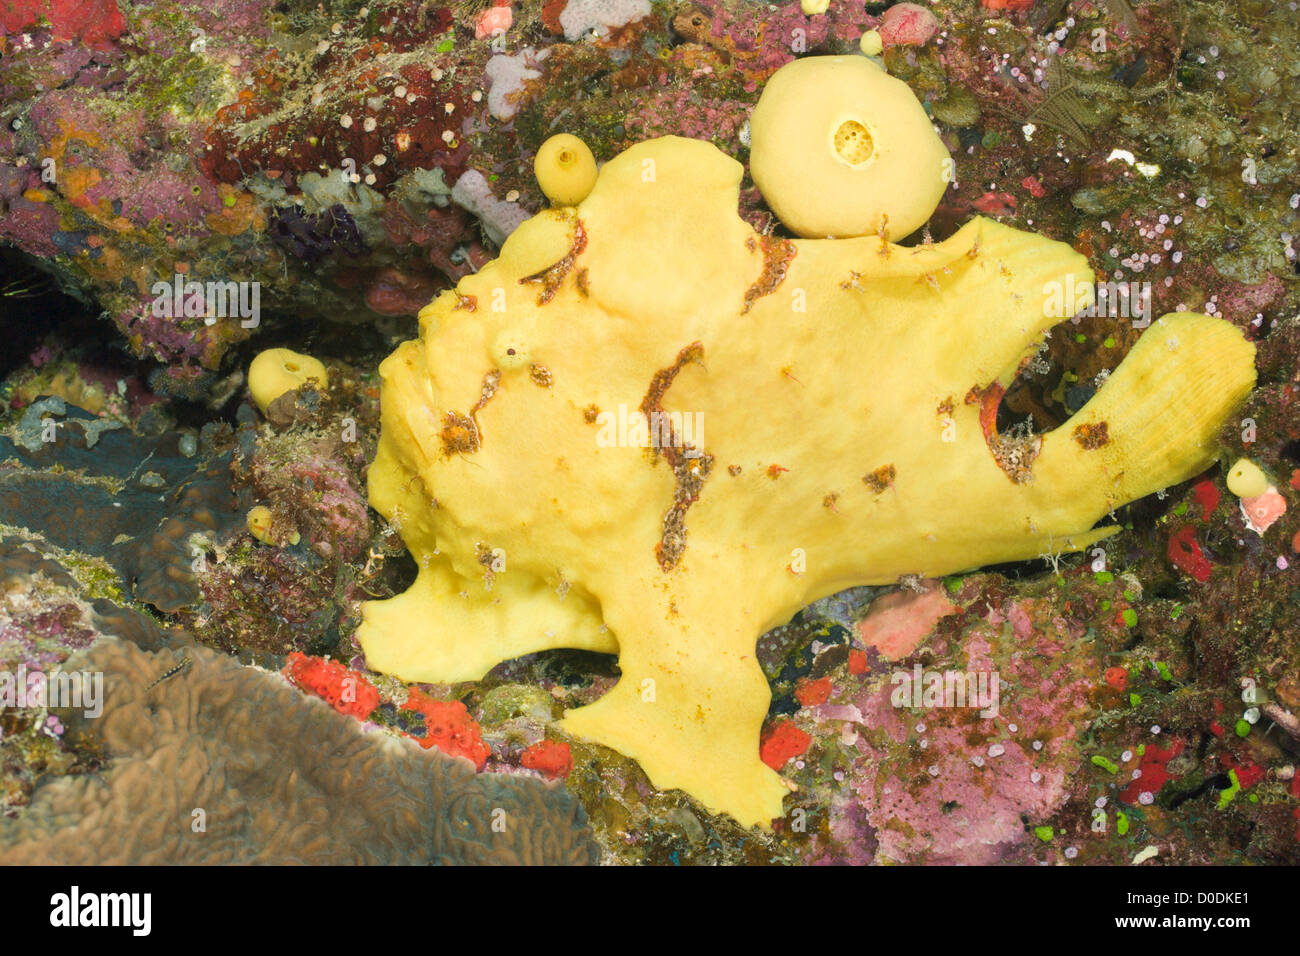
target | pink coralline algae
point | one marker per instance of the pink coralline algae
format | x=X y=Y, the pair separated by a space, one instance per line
x=338 y=514
x=758 y=46
x=954 y=781
x=907 y=24
x=31 y=223
x=896 y=623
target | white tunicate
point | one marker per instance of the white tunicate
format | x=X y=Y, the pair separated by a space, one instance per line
x=507 y=75
x=581 y=17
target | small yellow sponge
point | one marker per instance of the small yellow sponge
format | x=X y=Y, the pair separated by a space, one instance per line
x=1246 y=479
x=840 y=148
x=277 y=371
x=259 y=523
x=565 y=169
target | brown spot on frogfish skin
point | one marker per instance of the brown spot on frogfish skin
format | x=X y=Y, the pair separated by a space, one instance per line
x=691 y=466
x=461 y=434
x=662 y=380
x=691 y=474
x=552 y=277
x=1092 y=436
x=880 y=479
x=777 y=256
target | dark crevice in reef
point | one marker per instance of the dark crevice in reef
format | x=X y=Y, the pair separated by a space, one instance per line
x=33 y=309
x=1177 y=798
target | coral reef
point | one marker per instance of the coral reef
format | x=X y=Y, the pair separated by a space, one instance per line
x=306 y=154
x=315 y=153
x=258 y=774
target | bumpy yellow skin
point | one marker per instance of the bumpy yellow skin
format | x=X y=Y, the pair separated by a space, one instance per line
x=538 y=532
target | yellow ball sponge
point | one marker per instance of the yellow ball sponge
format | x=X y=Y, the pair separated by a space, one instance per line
x=259 y=523
x=1246 y=479
x=840 y=148
x=277 y=371
x=565 y=169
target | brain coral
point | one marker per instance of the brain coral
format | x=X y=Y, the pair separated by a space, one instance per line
x=646 y=428
x=278 y=777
